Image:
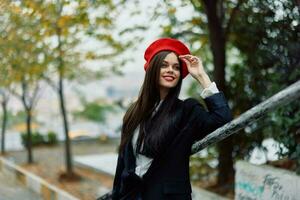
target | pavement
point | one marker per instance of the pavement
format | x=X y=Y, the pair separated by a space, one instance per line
x=104 y=163
x=10 y=190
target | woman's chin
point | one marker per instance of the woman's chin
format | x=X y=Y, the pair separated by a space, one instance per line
x=168 y=85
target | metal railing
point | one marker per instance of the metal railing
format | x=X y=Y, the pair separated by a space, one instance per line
x=285 y=96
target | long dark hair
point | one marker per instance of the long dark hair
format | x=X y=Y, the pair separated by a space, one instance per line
x=152 y=129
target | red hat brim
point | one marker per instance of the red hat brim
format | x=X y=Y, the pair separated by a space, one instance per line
x=167 y=44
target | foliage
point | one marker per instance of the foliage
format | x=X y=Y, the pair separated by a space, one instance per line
x=24 y=57
x=94 y=111
x=16 y=118
x=67 y=26
x=51 y=138
x=45 y=40
x=40 y=139
x=36 y=139
x=203 y=165
x=273 y=65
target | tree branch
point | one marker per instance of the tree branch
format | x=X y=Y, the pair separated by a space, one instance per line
x=13 y=92
x=5 y=95
x=50 y=82
x=34 y=98
x=196 y=7
x=232 y=17
x=186 y=32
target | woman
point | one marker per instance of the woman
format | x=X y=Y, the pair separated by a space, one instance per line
x=159 y=129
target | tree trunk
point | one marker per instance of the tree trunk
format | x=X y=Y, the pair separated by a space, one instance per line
x=68 y=157
x=68 y=154
x=4 y=121
x=218 y=42
x=28 y=110
x=29 y=134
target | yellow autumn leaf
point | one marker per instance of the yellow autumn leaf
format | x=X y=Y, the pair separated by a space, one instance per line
x=196 y=21
x=90 y=55
x=16 y=9
x=172 y=10
x=83 y=4
x=64 y=20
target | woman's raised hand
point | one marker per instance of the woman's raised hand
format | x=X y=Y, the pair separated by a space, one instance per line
x=194 y=65
x=195 y=68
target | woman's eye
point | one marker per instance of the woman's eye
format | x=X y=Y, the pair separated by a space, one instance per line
x=177 y=67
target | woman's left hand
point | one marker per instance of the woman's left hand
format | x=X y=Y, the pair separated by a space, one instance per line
x=195 y=68
x=194 y=65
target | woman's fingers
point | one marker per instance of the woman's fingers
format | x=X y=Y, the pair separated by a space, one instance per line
x=185 y=60
x=186 y=55
x=190 y=58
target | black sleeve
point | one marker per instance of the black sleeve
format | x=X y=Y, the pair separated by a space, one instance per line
x=203 y=122
x=117 y=178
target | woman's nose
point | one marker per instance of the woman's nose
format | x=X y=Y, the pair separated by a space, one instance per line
x=170 y=68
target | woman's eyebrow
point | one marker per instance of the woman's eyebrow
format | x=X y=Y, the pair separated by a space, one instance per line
x=168 y=62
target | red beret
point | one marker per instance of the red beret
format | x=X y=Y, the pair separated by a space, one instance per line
x=166 y=44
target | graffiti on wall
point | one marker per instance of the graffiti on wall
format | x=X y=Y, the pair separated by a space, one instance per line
x=254 y=184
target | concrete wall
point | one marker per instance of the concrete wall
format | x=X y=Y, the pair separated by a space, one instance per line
x=33 y=182
x=262 y=182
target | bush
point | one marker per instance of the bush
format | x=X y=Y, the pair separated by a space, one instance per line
x=39 y=139
x=24 y=139
x=51 y=138
x=36 y=139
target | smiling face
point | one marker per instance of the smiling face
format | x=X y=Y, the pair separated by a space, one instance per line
x=169 y=73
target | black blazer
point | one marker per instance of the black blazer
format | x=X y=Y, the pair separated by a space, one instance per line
x=168 y=175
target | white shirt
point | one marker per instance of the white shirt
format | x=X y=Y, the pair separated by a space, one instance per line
x=144 y=162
